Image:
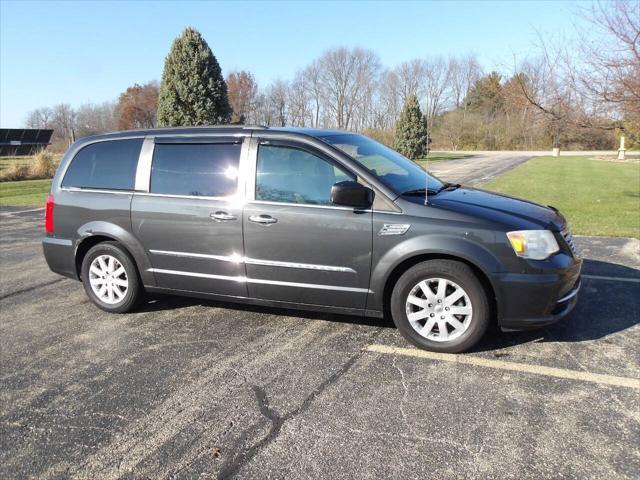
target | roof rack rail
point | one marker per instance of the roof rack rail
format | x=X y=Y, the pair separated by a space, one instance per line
x=256 y=127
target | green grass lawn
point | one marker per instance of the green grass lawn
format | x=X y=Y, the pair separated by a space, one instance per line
x=28 y=193
x=597 y=197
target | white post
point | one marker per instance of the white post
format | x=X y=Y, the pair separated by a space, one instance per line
x=556 y=152
x=621 y=150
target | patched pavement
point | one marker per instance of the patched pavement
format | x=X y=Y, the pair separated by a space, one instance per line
x=186 y=388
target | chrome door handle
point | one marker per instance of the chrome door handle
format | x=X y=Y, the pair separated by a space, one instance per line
x=222 y=216
x=263 y=219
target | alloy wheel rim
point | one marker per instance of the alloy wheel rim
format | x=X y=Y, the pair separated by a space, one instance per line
x=439 y=309
x=108 y=279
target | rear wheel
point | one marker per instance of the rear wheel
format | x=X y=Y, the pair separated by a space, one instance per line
x=440 y=305
x=110 y=278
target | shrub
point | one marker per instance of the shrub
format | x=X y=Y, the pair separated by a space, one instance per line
x=43 y=165
x=380 y=135
x=16 y=172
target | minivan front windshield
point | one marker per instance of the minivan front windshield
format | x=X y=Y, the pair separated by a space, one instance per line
x=394 y=170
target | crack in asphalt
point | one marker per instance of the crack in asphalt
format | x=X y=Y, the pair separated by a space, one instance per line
x=30 y=289
x=232 y=467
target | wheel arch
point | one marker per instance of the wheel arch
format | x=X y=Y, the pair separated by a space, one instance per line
x=409 y=262
x=95 y=233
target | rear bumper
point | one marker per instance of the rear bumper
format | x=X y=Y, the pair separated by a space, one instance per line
x=527 y=301
x=59 y=254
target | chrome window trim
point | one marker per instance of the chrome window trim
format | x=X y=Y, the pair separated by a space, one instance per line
x=251 y=170
x=256 y=261
x=96 y=190
x=231 y=198
x=243 y=279
x=307 y=205
x=143 y=171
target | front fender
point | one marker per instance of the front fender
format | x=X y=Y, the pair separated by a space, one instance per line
x=462 y=247
x=123 y=236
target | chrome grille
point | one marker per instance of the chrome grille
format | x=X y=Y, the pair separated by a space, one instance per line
x=566 y=234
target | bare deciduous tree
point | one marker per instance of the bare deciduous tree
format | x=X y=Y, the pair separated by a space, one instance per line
x=596 y=84
x=300 y=108
x=94 y=119
x=463 y=73
x=39 y=118
x=410 y=79
x=346 y=75
x=435 y=82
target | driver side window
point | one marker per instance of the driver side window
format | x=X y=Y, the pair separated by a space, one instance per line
x=292 y=175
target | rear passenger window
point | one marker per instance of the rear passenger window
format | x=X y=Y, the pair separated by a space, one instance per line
x=109 y=165
x=209 y=170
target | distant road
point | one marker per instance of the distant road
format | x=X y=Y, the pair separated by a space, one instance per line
x=478 y=168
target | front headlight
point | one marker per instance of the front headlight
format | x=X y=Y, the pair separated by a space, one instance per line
x=533 y=244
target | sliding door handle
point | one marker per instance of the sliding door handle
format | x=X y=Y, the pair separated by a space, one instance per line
x=263 y=219
x=222 y=216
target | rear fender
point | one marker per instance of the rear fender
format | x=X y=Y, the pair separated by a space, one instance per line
x=131 y=243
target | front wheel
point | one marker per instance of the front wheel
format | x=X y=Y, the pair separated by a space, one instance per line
x=440 y=305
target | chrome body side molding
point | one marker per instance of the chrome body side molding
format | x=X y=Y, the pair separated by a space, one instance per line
x=261 y=281
x=255 y=261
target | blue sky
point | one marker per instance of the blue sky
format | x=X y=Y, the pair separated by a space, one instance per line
x=76 y=52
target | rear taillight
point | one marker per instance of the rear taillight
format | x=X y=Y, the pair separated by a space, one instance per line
x=48 y=214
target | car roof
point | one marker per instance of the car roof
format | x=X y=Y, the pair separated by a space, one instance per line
x=230 y=129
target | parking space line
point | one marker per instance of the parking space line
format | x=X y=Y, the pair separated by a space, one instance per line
x=615 y=279
x=512 y=366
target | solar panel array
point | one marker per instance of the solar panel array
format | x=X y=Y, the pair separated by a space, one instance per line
x=15 y=142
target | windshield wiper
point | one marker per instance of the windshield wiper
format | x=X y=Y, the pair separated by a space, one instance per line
x=419 y=191
x=422 y=191
x=448 y=186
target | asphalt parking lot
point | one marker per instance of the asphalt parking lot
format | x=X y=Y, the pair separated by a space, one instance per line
x=186 y=388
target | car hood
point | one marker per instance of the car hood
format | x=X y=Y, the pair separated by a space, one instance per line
x=515 y=212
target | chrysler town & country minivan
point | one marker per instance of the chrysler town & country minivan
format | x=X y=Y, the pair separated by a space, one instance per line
x=308 y=219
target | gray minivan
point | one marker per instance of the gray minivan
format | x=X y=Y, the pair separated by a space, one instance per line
x=309 y=219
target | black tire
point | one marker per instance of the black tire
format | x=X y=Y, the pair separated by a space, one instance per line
x=462 y=275
x=134 y=289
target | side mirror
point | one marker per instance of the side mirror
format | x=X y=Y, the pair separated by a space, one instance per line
x=351 y=194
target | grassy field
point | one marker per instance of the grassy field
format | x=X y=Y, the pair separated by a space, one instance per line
x=597 y=197
x=29 y=193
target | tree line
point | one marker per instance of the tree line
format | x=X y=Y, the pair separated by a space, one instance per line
x=579 y=98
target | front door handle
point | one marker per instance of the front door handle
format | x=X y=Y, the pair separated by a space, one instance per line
x=263 y=219
x=222 y=216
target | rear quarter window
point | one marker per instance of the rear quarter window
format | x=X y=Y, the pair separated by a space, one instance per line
x=109 y=165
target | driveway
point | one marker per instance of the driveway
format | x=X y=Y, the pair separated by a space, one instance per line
x=478 y=168
x=186 y=388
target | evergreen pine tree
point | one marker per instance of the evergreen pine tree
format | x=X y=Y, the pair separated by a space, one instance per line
x=193 y=90
x=411 y=138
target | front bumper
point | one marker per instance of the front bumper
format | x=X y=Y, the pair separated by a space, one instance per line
x=527 y=301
